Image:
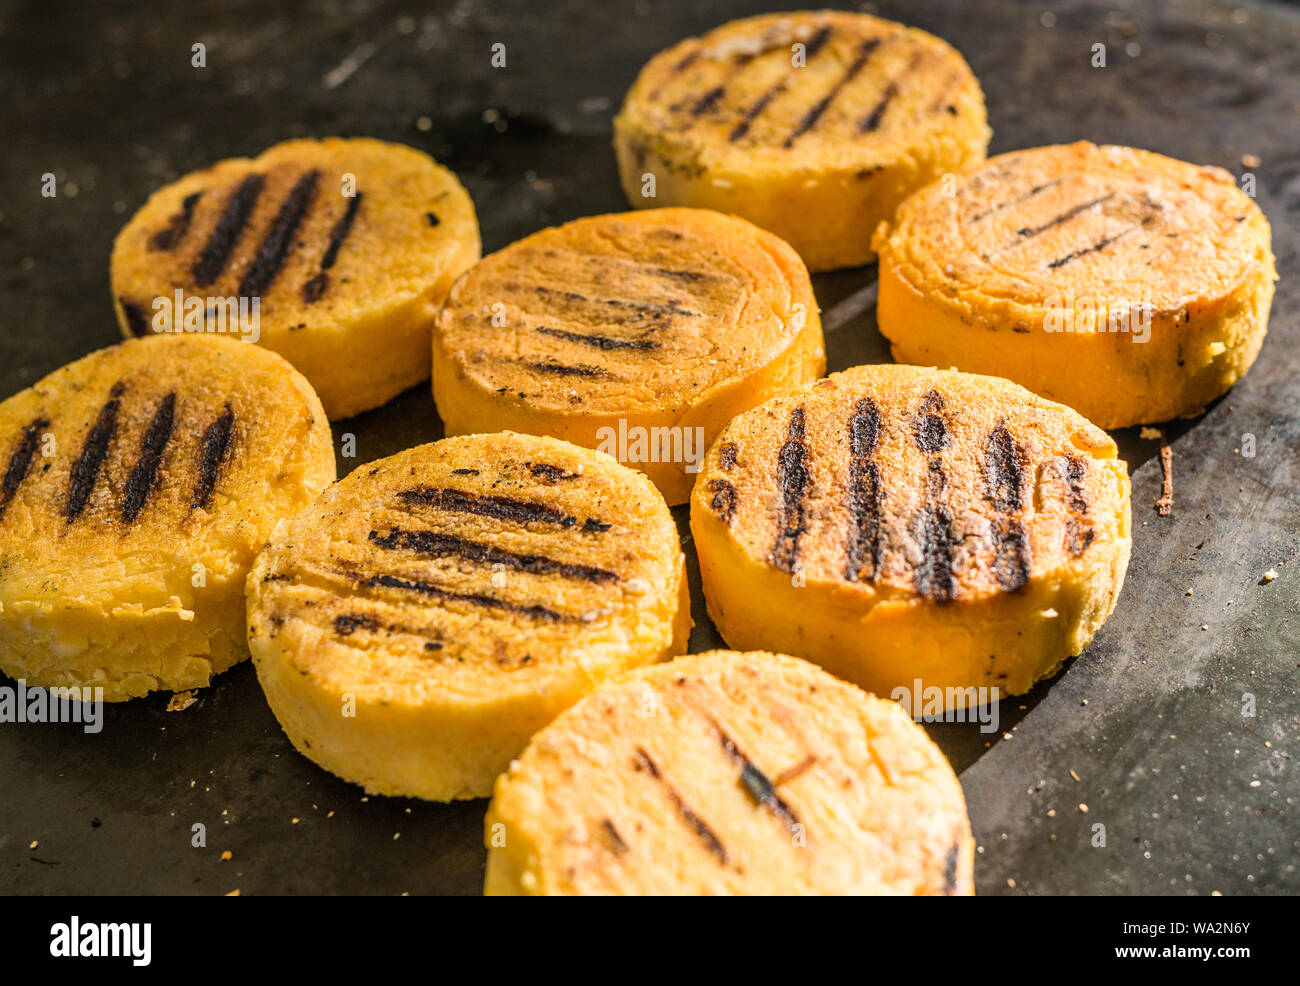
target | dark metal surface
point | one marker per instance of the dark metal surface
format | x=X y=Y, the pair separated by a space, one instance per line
x=1194 y=796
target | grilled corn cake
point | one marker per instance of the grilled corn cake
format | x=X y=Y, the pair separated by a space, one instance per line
x=640 y=334
x=726 y=773
x=138 y=485
x=905 y=526
x=1128 y=285
x=434 y=609
x=349 y=245
x=814 y=125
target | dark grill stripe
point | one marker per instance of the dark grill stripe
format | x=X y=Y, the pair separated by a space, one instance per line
x=559 y=369
x=498 y=507
x=950 y=872
x=814 y=45
x=865 y=493
x=792 y=481
x=723 y=499
x=1101 y=244
x=752 y=114
x=136 y=321
x=651 y=309
x=277 y=243
x=1003 y=483
x=708 y=101
x=177 y=226
x=598 y=341
x=435 y=544
x=1065 y=216
x=933 y=527
x=641 y=760
x=225 y=234
x=20 y=461
x=536 y=612
x=212 y=454
x=1036 y=190
x=85 y=471
x=813 y=115
x=145 y=473
x=318 y=285
x=1079 y=533
x=934 y=578
x=872 y=120
x=756 y=783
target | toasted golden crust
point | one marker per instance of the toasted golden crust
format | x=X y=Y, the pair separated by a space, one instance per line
x=348 y=283
x=896 y=524
x=459 y=595
x=726 y=773
x=138 y=484
x=1128 y=285
x=624 y=325
x=814 y=125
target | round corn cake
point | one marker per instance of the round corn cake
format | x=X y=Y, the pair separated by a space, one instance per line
x=814 y=125
x=914 y=529
x=138 y=485
x=1130 y=286
x=434 y=609
x=639 y=334
x=727 y=773
x=349 y=245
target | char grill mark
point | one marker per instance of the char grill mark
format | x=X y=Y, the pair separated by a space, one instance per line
x=1079 y=532
x=85 y=471
x=549 y=473
x=642 y=761
x=727 y=456
x=145 y=474
x=346 y=624
x=1101 y=244
x=757 y=784
x=814 y=45
x=654 y=311
x=871 y=121
x=752 y=114
x=1036 y=190
x=723 y=499
x=1066 y=216
x=177 y=226
x=216 y=251
x=933 y=526
x=212 y=455
x=792 y=482
x=1003 y=481
x=708 y=101
x=815 y=113
x=436 y=545
x=950 y=872
x=275 y=246
x=865 y=493
x=318 y=285
x=533 y=611
x=20 y=461
x=136 y=321
x=646 y=309
x=498 y=507
x=556 y=368
x=598 y=341
x=616 y=840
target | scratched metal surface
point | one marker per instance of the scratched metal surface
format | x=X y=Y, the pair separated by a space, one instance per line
x=1194 y=797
